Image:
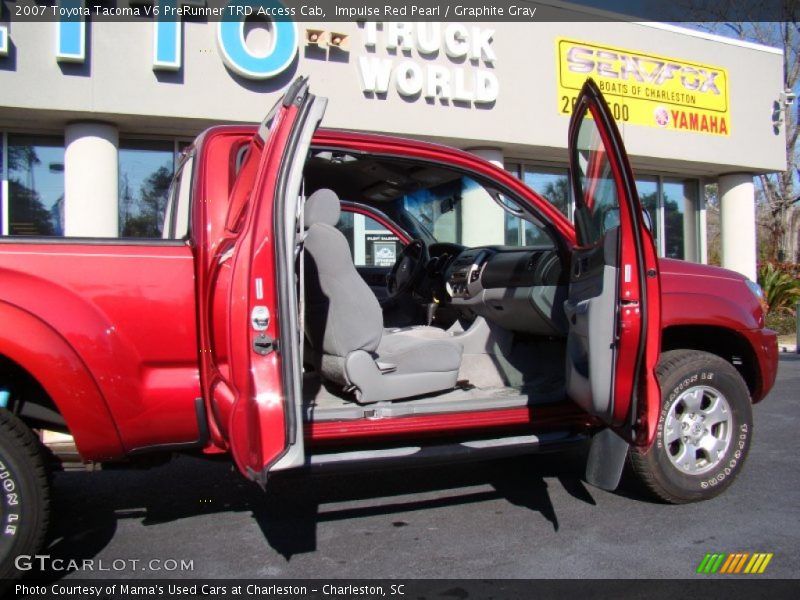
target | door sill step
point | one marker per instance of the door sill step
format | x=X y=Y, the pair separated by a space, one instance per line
x=479 y=449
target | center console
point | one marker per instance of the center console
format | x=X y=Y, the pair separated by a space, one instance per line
x=464 y=279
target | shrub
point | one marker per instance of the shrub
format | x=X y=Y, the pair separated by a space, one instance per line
x=781 y=288
x=783 y=323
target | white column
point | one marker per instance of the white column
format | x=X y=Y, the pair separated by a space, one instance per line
x=359 y=240
x=482 y=221
x=738 y=223
x=91 y=180
x=703 y=219
x=4 y=183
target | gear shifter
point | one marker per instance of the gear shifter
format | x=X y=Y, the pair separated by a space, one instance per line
x=432 y=306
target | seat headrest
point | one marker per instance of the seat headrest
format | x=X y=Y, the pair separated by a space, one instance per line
x=322 y=207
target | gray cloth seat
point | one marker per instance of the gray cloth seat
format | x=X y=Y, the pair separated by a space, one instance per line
x=420 y=331
x=344 y=322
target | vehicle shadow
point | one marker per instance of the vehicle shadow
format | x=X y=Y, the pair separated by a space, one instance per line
x=89 y=506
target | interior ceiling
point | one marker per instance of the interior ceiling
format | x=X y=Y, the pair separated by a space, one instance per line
x=368 y=179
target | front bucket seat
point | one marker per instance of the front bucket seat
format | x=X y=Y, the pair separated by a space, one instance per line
x=344 y=322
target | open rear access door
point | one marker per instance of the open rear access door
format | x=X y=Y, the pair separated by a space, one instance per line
x=252 y=378
x=614 y=300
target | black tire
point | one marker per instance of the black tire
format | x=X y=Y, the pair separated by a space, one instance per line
x=24 y=494
x=677 y=470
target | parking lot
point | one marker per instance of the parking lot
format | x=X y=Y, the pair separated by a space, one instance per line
x=529 y=517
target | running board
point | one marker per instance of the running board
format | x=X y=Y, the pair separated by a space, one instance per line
x=467 y=450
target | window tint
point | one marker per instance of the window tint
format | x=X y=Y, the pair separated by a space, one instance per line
x=35 y=185
x=145 y=173
x=597 y=207
x=680 y=219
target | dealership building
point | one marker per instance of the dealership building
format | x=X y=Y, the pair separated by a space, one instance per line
x=93 y=113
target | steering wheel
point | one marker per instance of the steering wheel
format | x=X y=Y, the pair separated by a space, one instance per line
x=407 y=269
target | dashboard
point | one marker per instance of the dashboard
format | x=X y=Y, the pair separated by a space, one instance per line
x=520 y=289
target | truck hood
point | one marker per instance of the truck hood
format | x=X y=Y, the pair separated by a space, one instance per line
x=706 y=295
x=671 y=268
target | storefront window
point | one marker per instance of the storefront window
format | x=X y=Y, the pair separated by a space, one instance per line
x=647 y=188
x=145 y=172
x=680 y=218
x=520 y=232
x=672 y=204
x=553 y=184
x=35 y=169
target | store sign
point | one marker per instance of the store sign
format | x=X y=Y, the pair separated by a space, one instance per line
x=408 y=48
x=646 y=89
x=168 y=33
x=233 y=48
x=463 y=80
x=382 y=249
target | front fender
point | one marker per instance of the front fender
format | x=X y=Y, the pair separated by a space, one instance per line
x=710 y=309
x=46 y=355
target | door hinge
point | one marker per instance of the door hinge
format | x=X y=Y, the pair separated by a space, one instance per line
x=263 y=344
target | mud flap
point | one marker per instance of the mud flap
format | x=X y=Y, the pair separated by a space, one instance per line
x=606 y=460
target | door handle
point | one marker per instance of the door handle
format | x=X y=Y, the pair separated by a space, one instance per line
x=581 y=266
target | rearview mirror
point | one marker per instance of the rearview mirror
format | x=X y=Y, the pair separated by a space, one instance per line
x=446 y=205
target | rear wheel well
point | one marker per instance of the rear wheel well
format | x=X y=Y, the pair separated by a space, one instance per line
x=27 y=399
x=723 y=342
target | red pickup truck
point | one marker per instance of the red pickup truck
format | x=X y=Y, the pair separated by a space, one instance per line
x=257 y=326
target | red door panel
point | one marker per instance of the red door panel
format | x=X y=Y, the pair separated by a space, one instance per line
x=241 y=372
x=614 y=303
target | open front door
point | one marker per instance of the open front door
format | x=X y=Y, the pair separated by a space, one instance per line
x=249 y=309
x=614 y=301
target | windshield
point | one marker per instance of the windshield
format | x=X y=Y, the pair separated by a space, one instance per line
x=462 y=211
x=429 y=201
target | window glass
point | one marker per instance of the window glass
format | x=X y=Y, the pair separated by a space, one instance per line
x=552 y=184
x=521 y=232
x=597 y=210
x=680 y=218
x=647 y=188
x=462 y=211
x=35 y=185
x=176 y=218
x=145 y=173
x=371 y=244
x=246 y=171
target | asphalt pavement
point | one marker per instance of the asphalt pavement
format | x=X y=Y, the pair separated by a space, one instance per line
x=527 y=517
